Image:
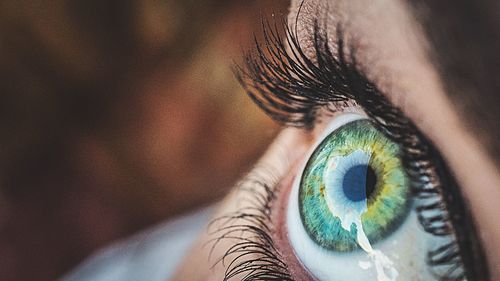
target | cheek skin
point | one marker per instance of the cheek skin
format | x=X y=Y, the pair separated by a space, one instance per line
x=280 y=235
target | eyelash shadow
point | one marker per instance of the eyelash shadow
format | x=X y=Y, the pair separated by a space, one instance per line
x=292 y=89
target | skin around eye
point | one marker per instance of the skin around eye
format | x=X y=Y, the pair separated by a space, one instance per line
x=350 y=214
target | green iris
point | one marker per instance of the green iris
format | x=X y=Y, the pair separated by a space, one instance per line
x=355 y=170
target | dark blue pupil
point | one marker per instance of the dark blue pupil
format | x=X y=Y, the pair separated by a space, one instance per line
x=359 y=182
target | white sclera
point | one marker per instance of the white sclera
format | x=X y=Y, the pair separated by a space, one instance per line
x=406 y=247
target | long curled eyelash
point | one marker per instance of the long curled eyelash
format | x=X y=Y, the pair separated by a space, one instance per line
x=253 y=254
x=292 y=88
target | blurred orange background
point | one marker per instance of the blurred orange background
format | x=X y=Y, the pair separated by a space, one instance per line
x=116 y=115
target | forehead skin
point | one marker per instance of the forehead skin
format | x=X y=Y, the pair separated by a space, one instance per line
x=391 y=50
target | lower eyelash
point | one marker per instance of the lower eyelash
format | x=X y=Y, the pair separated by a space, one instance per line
x=253 y=255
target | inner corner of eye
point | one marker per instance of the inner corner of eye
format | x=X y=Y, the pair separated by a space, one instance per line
x=351 y=205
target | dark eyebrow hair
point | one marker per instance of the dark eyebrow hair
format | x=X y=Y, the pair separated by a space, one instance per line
x=464 y=37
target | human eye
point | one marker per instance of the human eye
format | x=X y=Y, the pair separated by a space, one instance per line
x=372 y=200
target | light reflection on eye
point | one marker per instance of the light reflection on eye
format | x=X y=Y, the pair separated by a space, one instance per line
x=350 y=213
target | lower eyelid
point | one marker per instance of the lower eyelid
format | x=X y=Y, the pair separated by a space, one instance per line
x=280 y=234
x=243 y=235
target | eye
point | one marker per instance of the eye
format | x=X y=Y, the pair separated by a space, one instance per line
x=350 y=214
x=374 y=200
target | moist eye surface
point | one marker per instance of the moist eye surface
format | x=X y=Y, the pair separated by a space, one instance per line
x=353 y=214
x=353 y=189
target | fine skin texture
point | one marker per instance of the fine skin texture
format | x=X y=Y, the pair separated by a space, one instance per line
x=393 y=52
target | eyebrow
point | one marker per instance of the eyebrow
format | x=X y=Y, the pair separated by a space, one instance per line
x=464 y=37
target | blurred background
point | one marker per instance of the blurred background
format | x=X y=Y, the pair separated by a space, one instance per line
x=115 y=116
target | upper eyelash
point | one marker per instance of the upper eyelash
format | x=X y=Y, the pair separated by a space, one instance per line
x=288 y=86
x=291 y=88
